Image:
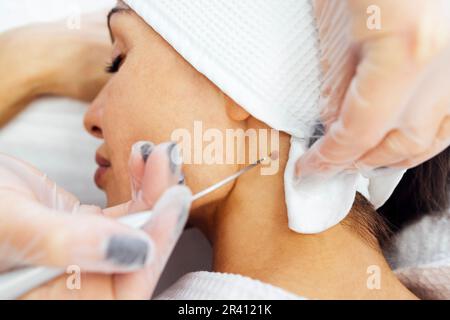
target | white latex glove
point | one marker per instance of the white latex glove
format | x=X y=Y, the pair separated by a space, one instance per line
x=41 y=224
x=386 y=92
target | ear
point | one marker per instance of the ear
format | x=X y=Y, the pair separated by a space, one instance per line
x=236 y=112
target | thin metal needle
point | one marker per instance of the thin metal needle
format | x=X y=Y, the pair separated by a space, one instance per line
x=227 y=180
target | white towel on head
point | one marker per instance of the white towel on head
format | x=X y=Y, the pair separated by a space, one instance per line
x=266 y=56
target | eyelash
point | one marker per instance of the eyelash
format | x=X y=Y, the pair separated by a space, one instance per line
x=114 y=66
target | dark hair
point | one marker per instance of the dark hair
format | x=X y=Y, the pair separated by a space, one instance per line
x=367 y=223
x=423 y=190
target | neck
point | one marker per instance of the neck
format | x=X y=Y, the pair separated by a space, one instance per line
x=250 y=236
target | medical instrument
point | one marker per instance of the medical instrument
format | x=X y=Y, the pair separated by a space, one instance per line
x=16 y=283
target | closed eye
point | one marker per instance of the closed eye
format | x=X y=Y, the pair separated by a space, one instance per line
x=114 y=66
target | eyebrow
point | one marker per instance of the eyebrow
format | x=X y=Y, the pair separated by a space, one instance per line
x=110 y=14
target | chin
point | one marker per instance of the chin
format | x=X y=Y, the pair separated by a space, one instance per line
x=115 y=196
x=111 y=199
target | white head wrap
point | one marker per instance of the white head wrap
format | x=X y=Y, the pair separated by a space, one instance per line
x=266 y=56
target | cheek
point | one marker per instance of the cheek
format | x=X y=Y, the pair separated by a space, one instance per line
x=148 y=104
x=120 y=130
x=119 y=145
x=132 y=112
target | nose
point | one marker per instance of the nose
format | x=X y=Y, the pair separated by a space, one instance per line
x=93 y=118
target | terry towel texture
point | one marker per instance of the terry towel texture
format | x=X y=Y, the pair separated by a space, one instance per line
x=420 y=256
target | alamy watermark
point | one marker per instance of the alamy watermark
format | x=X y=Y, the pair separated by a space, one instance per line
x=374 y=280
x=232 y=146
x=374 y=20
x=73 y=281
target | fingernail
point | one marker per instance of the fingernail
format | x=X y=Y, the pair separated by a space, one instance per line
x=182 y=179
x=128 y=251
x=175 y=160
x=146 y=151
x=319 y=130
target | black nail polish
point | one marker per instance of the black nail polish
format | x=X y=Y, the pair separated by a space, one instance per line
x=174 y=158
x=182 y=180
x=127 y=251
x=319 y=131
x=146 y=151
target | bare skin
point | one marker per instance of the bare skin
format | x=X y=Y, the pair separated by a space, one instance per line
x=155 y=92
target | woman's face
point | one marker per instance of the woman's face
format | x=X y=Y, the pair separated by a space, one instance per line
x=152 y=92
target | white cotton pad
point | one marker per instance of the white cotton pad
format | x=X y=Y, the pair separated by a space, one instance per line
x=267 y=56
x=316 y=204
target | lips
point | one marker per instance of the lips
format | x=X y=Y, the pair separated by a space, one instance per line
x=103 y=167
x=101 y=161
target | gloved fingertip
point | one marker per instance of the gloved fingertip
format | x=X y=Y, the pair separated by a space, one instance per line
x=146 y=151
x=184 y=195
x=175 y=159
x=98 y=244
x=129 y=253
x=162 y=170
x=167 y=222
x=174 y=207
x=176 y=197
x=140 y=152
x=142 y=149
x=182 y=180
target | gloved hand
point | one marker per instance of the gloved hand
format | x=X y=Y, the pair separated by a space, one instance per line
x=386 y=92
x=42 y=224
x=51 y=59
